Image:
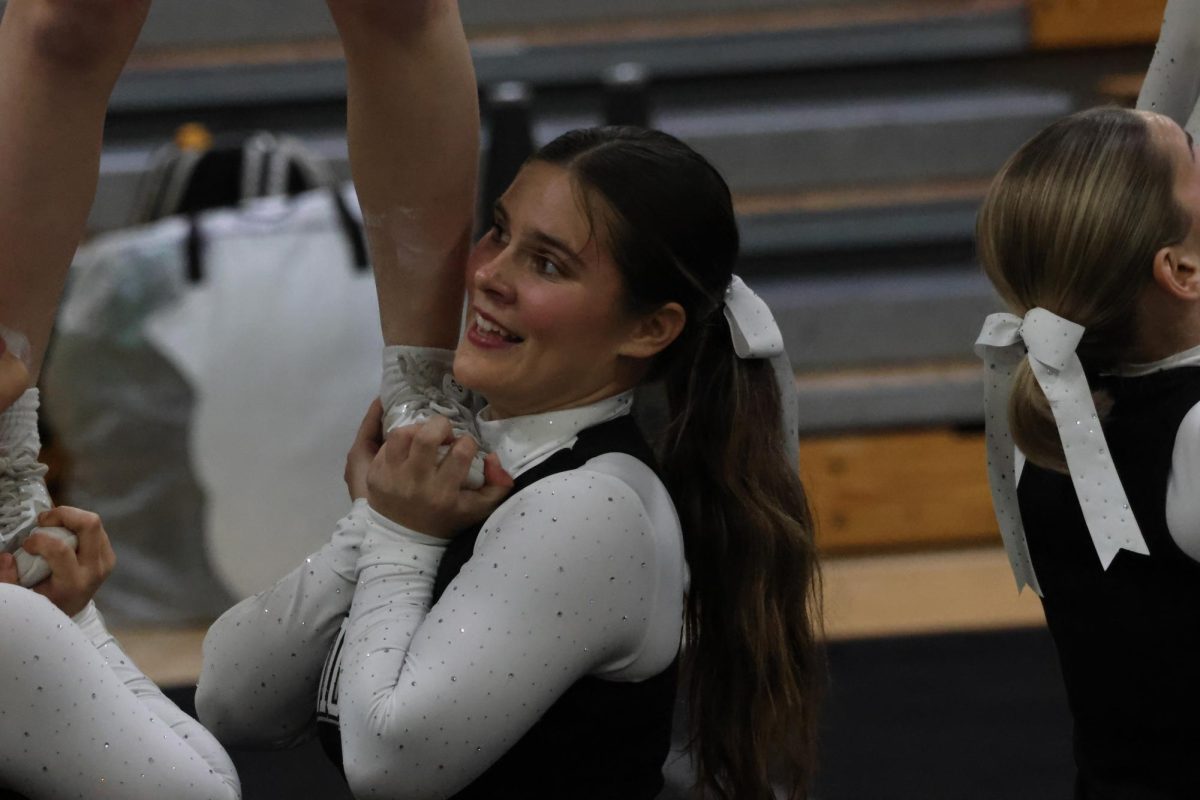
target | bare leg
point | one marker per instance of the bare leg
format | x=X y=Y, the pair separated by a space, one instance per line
x=59 y=60
x=413 y=127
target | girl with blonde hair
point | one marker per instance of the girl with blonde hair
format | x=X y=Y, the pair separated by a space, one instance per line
x=1091 y=235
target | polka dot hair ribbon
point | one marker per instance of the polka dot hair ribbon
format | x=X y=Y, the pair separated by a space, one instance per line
x=755 y=333
x=1050 y=342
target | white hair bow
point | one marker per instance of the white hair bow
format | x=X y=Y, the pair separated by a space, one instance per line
x=755 y=333
x=1050 y=342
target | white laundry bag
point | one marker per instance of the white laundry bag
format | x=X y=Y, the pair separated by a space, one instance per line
x=207 y=421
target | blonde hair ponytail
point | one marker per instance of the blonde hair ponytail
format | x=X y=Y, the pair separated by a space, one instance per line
x=1072 y=223
x=1031 y=420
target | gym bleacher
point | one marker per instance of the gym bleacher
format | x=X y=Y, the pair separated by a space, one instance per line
x=858 y=137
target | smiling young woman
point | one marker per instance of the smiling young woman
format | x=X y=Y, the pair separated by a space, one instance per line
x=524 y=639
x=549 y=328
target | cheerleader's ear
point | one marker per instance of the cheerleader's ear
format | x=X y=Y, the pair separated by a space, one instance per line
x=1177 y=271
x=652 y=333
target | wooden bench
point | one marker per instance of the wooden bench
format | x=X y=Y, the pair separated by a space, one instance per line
x=898 y=490
x=1056 y=24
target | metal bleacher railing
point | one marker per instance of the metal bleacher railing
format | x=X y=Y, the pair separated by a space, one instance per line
x=858 y=137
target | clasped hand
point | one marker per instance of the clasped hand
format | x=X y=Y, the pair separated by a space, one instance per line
x=405 y=479
x=75 y=574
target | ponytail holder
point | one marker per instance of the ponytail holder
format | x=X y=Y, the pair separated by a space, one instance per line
x=17 y=344
x=1050 y=342
x=754 y=332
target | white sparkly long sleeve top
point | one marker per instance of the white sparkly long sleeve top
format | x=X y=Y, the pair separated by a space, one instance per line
x=79 y=720
x=581 y=573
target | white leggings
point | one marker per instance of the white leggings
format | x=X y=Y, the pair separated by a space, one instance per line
x=79 y=720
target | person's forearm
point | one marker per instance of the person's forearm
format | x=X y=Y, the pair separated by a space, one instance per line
x=59 y=61
x=413 y=130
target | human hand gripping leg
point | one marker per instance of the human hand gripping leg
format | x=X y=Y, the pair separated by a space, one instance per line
x=73 y=577
x=411 y=484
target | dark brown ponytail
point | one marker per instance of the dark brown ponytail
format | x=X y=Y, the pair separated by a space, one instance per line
x=753 y=656
x=755 y=667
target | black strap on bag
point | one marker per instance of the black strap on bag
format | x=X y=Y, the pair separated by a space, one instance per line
x=626 y=95
x=187 y=181
x=508 y=106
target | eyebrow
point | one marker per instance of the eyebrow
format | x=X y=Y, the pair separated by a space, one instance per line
x=543 y=238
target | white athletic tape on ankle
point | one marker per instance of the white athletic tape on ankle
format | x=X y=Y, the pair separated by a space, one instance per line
x=753 y=328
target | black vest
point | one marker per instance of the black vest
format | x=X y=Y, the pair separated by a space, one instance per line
x=1128 y=637
x=601 y=740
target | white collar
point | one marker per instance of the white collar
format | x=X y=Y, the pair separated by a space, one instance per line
x=1187 y=358
x=523 y=442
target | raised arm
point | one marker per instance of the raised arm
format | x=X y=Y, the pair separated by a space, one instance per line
x=1172 y=84
x=413 y=127
x=59 y=61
